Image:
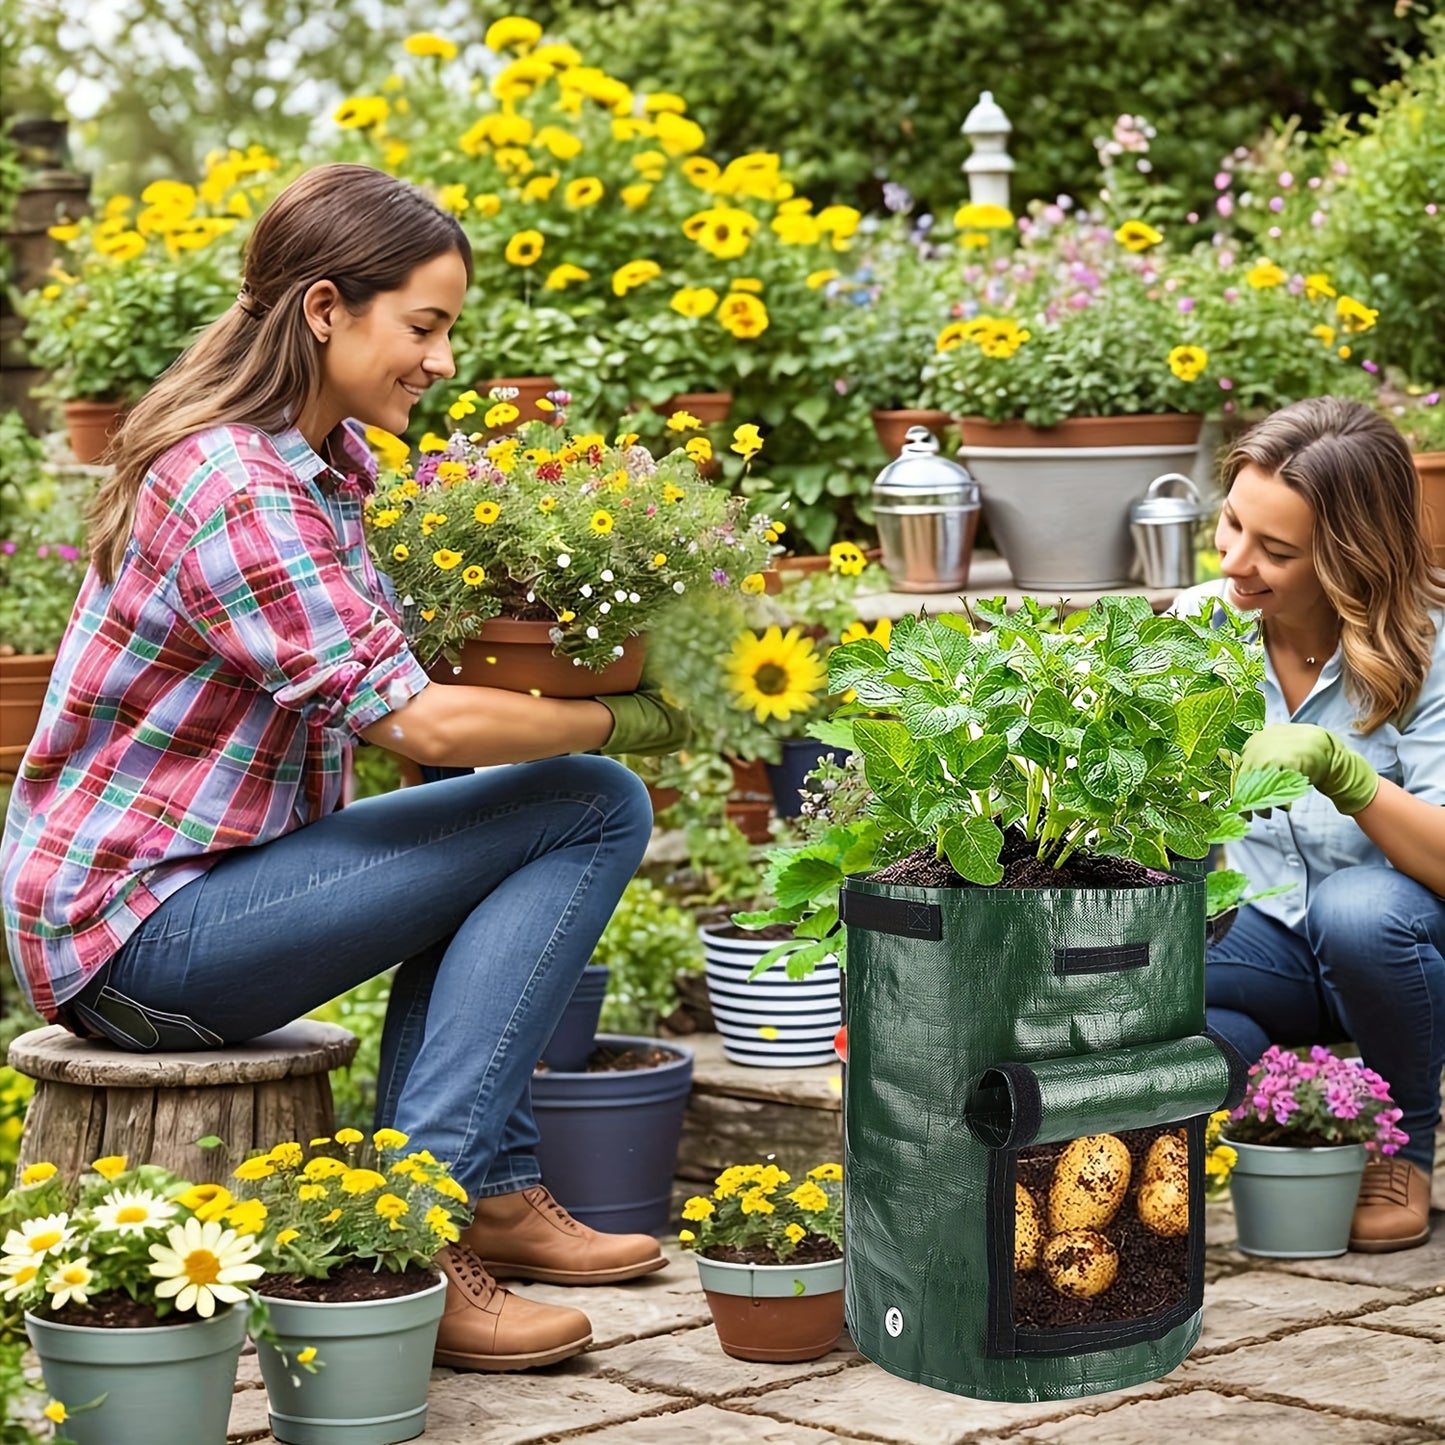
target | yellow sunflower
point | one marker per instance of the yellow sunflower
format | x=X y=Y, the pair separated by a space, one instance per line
x=776 y=674
x=525 y=248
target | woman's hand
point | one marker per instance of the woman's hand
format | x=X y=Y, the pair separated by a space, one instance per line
x=1332 y=766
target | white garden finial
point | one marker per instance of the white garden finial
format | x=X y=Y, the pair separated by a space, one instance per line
x=989 y=167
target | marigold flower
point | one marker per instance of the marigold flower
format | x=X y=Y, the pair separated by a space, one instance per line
x=1265 y=274
x=816 y=279
x=36 y=1174
x=632 y=274
x=559 y=278
x=287 y=1156
x=55 y=1412
x=698 y=1207
x=636 y=194
x=206 y=1201
x=1355 y=314
x=582 y=192
x=431 y=442
x=110 y=1166
x=563 y=144
x=425 y=44
x=846 y=558
x=982 y=216
x=743 y=315
x=693 y=301
x=747 y=440
x=445 y=558
x=253 y=1169
x=361 y=1181
x=400 y=552
x=702 y=172
x=359 y=112
x=512 y=32
x=1187 y=362
x=795 y=1233
x=753 y=584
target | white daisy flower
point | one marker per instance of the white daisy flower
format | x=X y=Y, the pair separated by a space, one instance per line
x=133 y=1211
x=22 y=1277
x=202 y=1263
x=71 y=1279
x=38 y=1237
x=606 y=574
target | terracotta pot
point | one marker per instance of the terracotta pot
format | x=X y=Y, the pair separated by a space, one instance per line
x=1431 y=467
x=812 y=562
x=774 y=1313
x=530 y=390
x=709 y=407
x=662 y=798
x=892 y=426
x=751 y=818
x=23 y=680
x=90 y=425
x=518 y=656
x=750 y=779
x=1162 y=430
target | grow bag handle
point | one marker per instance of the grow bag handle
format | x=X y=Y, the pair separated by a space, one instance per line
x=1015 y=1105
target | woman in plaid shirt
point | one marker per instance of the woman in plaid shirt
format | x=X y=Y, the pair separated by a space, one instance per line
x=177 y=872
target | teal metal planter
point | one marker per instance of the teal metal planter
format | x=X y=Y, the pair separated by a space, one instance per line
x=168 y=1385
x=374 y=1361
x=1295 y=1203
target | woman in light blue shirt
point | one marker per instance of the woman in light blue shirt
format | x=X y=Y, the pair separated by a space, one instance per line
x=1320 y=536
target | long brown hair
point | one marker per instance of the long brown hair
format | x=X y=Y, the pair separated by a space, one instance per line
x=258 y=363
x=1368 y=547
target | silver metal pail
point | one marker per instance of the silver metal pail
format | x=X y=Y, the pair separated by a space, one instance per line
x=1163 y=528
x=926 y=508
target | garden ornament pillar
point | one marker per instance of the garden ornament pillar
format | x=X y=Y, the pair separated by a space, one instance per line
x=989 y=167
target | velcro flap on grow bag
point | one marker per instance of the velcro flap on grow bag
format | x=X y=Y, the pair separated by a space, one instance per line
x=1014 y=1105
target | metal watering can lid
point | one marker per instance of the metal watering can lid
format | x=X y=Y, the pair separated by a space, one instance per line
x=919 y=468
x=1154 y=506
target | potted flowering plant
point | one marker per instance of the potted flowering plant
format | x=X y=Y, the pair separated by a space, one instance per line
x=1302 y=1136
x=349 y=1227
x=770 y=1257
x=578 y=543
x=134 y=285
x=132 y=1282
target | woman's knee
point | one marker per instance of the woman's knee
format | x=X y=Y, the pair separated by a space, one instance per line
x=1356 y=911
x=621 y=793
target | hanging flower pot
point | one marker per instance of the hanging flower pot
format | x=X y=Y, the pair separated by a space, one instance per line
x=774 y=1312
x=530 y=390
x=90 y=426
x=375 y=1359
x=167 y=1385
x=519 y=657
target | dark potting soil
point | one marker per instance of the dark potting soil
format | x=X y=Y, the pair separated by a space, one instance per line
x=810 y=1251
x=115 y=1310
x=1153 y=1271
x=1023 y=869
x=346 y=1285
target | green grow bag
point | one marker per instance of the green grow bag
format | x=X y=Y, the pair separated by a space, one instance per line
x=1027 y=1085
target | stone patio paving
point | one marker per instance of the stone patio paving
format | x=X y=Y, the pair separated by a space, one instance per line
x=1309 y=1352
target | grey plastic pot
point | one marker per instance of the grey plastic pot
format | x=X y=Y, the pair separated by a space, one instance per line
x=374 y=1361
x=168 y=1385
x=1295 y=1203
x=575 y=1036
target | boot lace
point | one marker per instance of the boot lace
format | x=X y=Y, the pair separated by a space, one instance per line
x=1386 y=1182
x=541 y=1195
x=470 y=1274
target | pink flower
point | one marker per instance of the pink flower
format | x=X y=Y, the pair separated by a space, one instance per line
x=1231 y=293
x=1186 y=304
x=1313 y=183
x=1222 y=180
x=1224 y=205
x=1317 y=218
x=1286 y=180
x=1225 y=384
x=1192 y=218
x=1276 y=203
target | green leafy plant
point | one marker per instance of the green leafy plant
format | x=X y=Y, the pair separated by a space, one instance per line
x=1115 y=732
x=600 y=539
x=752 y=1216
x=350 y=1200
x=647 y=943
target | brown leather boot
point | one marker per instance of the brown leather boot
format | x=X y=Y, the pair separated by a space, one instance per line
x=485 y=1327
x=1393 y=1208
x=528 y=1235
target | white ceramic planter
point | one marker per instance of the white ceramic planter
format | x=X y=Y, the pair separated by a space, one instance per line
x=771 y=1021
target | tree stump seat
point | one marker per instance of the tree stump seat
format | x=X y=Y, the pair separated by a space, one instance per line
x=93 y=1099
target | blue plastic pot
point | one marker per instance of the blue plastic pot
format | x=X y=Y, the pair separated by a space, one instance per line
x=573 y=1039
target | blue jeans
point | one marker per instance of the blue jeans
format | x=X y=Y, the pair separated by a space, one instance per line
x=1367 y=967
x=491 y=889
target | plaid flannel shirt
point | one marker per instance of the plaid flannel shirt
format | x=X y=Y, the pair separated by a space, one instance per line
x=207 y=699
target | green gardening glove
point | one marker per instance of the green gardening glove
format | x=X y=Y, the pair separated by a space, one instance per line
x=645 y=722
x=1332 y=766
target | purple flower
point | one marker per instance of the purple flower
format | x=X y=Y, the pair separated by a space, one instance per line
x=1276 y=204
x=71 y=554
x=1371 y=367
x=1080 y=300
x=1433 y=399
x=1053 y=215
x=1225 y=384
x=8 y=548
x=719 y=576
x=896 y=197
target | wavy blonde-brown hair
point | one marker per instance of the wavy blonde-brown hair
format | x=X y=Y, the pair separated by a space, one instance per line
x=258 y=363
x=1368 y=546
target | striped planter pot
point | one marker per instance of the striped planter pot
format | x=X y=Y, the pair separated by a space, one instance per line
x=772 y=1021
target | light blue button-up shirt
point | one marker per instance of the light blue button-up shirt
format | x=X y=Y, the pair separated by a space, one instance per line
x=1313 y=840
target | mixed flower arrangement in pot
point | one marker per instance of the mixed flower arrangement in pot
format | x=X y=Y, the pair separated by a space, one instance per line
x=597 y=541
x=770 y=1255
x=123 y=1267
x=1302 y=1137
x=348 y=1228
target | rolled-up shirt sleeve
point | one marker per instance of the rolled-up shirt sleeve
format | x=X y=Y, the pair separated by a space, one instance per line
x=264 y=584
x=1420 y=750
